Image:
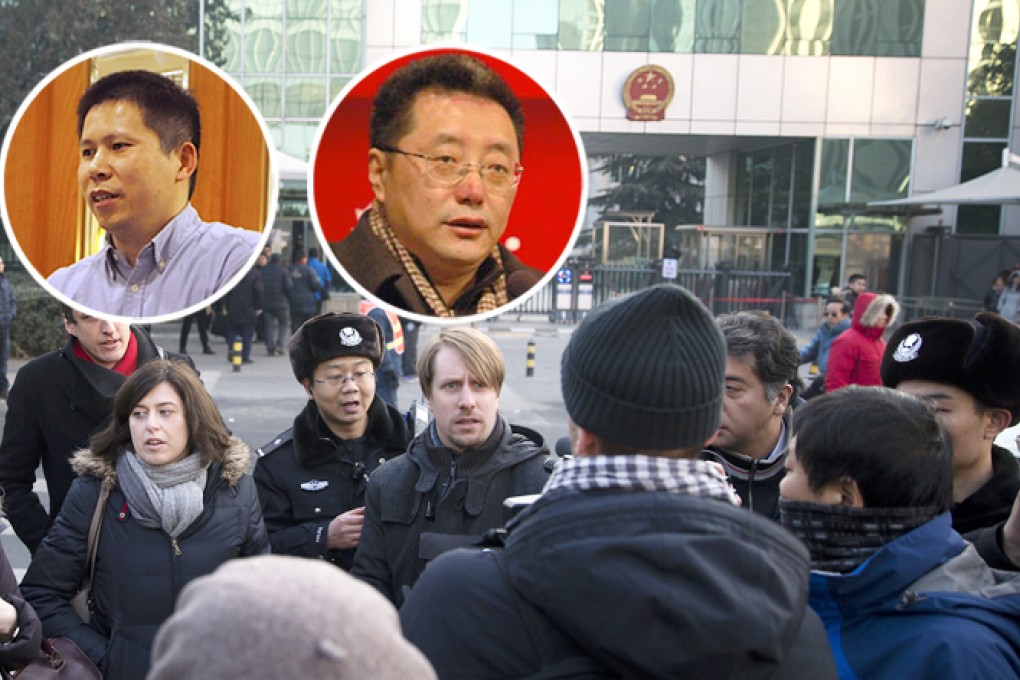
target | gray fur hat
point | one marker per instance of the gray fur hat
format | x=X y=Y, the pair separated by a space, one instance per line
x=272 y=617
x=334 y=335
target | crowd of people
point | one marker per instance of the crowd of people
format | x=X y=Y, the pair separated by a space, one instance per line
x=710 y=517
x=708 y=520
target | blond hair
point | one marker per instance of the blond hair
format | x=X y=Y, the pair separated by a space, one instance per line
x=479 y=352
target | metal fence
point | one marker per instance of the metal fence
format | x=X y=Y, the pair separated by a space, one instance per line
x=957 y=308
x=721 y=290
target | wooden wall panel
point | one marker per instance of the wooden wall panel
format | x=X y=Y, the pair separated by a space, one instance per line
x=233 y=163
x=40 y=178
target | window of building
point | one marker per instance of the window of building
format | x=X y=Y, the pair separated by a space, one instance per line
x=803 y=27
x=878 y=28
x=774 y=186
x=292 y=57
x=988 y=111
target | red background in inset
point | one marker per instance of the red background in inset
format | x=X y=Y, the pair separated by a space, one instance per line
x=548 y=201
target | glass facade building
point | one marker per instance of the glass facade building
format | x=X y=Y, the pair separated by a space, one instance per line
x=848 y=119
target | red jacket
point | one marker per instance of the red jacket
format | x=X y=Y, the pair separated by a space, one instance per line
x=856 y=355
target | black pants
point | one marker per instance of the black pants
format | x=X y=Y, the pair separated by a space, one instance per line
x=202 y=319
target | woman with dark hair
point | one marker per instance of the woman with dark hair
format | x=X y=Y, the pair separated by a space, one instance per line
x=181 y=503
x=868 y=488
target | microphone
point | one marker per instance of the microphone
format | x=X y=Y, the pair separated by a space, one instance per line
x=563 y=447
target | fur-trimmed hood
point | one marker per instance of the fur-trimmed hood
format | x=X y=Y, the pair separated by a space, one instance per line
x=236 y=462
x=869 y=308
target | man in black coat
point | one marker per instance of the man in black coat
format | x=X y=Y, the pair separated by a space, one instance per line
x=312 y=478
x=276 y=305
x=58 y=400
x=244 y=305
x=968 y=371
x=449 y=489
x=636 y=560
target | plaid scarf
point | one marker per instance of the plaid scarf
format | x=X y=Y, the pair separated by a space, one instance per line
x=842 y=538
x=493 y=296
x=643 y=473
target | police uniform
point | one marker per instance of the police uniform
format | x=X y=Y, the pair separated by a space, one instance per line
x=307 y=476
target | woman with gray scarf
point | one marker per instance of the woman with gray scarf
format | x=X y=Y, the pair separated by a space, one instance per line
x=181 y=503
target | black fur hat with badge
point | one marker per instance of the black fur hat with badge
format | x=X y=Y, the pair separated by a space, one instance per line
x=981 y=357
x=334 y=335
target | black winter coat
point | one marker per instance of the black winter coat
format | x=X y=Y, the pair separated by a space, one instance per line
x=631 y=584
x=57 y=402
x=306 y=477
x=405 y=503
x=139 y=571
x=303 y=284
x=275 y=286
x=245 y=299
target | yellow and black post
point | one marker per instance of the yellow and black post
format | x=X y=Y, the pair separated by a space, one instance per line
x=530 y=372
x=235 y=354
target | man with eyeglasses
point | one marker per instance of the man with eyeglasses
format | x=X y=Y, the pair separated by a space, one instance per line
x=446 y=140
x=837 y=320
x=312 y=478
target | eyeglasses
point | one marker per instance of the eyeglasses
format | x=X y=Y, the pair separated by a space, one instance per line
x=449 y=172
x=358 y=377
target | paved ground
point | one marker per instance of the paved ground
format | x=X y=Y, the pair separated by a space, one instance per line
x=262 y=399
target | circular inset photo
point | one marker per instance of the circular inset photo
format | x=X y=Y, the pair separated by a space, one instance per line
x=138 y=183
x=447 y=184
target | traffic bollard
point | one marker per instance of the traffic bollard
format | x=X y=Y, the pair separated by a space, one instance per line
x=235 y=354
x=530 y=372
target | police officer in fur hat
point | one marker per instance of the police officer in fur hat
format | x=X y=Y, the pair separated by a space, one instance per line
x=968 y=371
x=312 y=478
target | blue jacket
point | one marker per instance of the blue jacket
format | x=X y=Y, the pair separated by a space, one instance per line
x=923 y=606
x=818 y=348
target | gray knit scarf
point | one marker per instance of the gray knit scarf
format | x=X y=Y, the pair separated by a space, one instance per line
x=167 y=496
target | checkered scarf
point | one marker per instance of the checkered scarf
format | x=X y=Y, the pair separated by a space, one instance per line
x=841 y=538
x=643 y=473
x=493 y=296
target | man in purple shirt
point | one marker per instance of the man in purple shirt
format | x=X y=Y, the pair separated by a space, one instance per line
x=139 y=137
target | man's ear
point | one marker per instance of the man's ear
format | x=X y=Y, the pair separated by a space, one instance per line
x=188 y=157
x=849 y=493
x=782 y=400
x=307 y=384
x=585 y=443
x=998 y=419
x=378 y=166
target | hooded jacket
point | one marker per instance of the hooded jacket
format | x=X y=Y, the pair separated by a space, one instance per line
x=856 y=355
x=306 y=477
x=924 y=606
x=139 y=571
x=57 y=402
x=405 y=502
x=623 y=584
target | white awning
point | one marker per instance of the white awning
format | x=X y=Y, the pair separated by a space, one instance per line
x=291 y=169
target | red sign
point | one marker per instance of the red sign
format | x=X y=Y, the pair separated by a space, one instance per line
x=647 y=93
